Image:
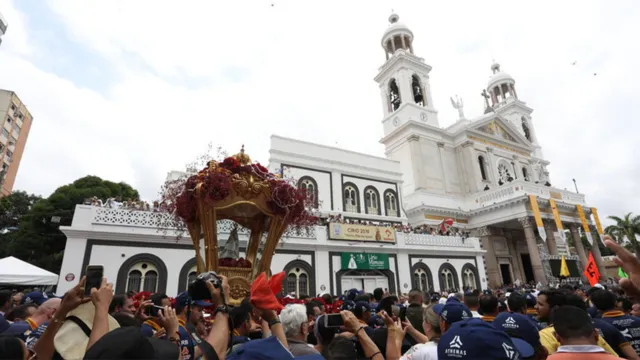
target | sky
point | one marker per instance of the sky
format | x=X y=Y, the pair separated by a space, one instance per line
x=130 y=90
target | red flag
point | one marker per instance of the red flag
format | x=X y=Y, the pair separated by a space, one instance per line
x=445 y=224
x=591 y=272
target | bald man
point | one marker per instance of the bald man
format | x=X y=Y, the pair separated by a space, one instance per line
x=42 y=316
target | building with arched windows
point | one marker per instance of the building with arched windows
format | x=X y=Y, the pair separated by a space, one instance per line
x=486 y=174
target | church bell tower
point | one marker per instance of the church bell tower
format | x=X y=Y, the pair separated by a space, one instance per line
x=404 y=80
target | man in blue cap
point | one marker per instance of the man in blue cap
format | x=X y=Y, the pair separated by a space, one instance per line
x=476 y=339
x=451 y=313
x=183 y=304
x=523 y=333
x=268 y=349
x=35 y=297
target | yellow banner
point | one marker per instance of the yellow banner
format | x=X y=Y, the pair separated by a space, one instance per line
x=583 y=219
x=353 y=232
x=596 y=219
x=536 y=210
x=556 y=215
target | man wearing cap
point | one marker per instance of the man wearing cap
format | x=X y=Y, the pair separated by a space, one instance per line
x=531 y=306
x=362 y=312
x=189 y=311
x=489 y=307
x=45 y=312
x=450 y=313
x=523 y=332
x=476 y=339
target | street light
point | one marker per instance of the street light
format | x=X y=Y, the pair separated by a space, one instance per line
x=576 y=185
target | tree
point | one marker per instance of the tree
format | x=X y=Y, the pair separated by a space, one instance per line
x=14 y=206
x=38 y=239
x=627 y=226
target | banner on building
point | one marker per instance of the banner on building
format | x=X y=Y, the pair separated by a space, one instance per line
x=585 y=225
x=354 y=232
x=591 y=271
x=364 y=261
x=538 y=218
x=556 y=217
x=564 y=269
x=596 y=219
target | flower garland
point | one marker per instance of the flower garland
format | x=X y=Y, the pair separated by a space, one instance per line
x=286 y=199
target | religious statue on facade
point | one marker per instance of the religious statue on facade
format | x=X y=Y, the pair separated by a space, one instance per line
x=458 y=104
x=525 y=129
x=487 y=107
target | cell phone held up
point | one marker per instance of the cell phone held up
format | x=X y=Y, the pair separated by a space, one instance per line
x=94 y=275
x=333 y=320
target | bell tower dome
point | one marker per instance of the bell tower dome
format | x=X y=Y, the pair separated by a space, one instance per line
x=404 y=80
x=501 y=87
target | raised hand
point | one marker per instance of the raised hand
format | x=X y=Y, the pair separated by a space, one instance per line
x=102 y=297
x=630 y=264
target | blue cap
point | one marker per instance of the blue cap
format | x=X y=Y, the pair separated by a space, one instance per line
x=182 y=300
x=348 y=305
x=522 y=331
x=35 y=297
x=452 y=299
x=531 y=299
x=452 y=312
x=360 y=308
x=476 y=339
x=267 y=349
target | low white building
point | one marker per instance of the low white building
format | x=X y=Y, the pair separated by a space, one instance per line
x=480 y=172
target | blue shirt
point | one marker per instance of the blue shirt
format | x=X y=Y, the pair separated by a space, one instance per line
x=35 y=335
x=628 y=325
x=611 y=335
x=187 y=345
x=147 y=329
x=20 y=329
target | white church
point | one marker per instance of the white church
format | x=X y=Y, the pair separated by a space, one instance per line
x=488 y=174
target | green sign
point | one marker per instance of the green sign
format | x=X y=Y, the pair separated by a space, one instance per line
x=365 y=261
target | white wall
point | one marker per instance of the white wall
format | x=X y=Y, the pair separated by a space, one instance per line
x=71 y=264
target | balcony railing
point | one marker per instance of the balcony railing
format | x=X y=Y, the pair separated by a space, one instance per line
x=439 y=241
x=519 y=188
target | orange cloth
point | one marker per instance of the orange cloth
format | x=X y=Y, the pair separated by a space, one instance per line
x=263 y=291
x=582 y=356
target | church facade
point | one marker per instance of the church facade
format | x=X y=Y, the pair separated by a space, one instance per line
x=486 y=174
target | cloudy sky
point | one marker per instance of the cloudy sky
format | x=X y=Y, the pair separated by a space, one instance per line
x=129 y=90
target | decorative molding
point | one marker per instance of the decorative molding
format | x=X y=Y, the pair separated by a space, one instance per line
x=413 y=137
x=489 y=149
x=525 y=222
x=467 y=143
x=440 y=144
x=484 y=231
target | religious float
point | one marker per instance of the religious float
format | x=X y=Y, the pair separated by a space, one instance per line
x=246 y=193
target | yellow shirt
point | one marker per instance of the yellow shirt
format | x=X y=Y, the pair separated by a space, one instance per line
x=549 y=341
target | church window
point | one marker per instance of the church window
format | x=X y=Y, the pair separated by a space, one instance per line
x=142 y=277
x=390 y=203
x=416 y=87
x=483 y=167
x=394 y=95
x=447 y=277
x=421 y=279
x=371 y=200
x=298 y=282
x=469 y=279
x=311 y=186
x=525 y=174
x=351 y=198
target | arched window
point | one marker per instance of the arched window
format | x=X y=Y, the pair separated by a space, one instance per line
x=420 y=279
x=448 y=277
x=416 y=87
x=309 y=184
x=298 y=282
x=191 y=277
x=483 y=169
x=394 y=96
x=371 y=200
x=390 y=203
x=350 y=198
x=142 y=277
x=525 y=174
x=470 y=280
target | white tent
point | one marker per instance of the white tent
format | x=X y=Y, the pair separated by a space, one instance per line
x=17 y=272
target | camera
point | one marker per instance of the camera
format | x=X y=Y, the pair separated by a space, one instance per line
x=198 y=289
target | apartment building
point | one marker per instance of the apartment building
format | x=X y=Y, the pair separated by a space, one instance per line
x=16 y=123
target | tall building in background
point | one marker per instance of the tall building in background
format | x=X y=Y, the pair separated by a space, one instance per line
x=3 y=27
x=16 y=123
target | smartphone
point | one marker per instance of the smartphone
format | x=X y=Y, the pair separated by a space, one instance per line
x=395 y=310
x=94 y=275
x=403 y=314
x=333 y=320
x=153 y=310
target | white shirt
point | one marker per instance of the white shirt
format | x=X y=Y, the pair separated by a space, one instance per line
x=426 y=351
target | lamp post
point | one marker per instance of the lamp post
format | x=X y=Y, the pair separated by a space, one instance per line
x=576 y=185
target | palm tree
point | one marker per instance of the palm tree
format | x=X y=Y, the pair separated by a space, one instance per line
x=628 y=227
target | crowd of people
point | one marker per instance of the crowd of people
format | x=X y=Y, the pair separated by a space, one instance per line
x=407 y=229
x=564 y=323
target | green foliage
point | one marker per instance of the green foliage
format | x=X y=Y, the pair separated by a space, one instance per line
x=626 y=227
x=38 y=238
